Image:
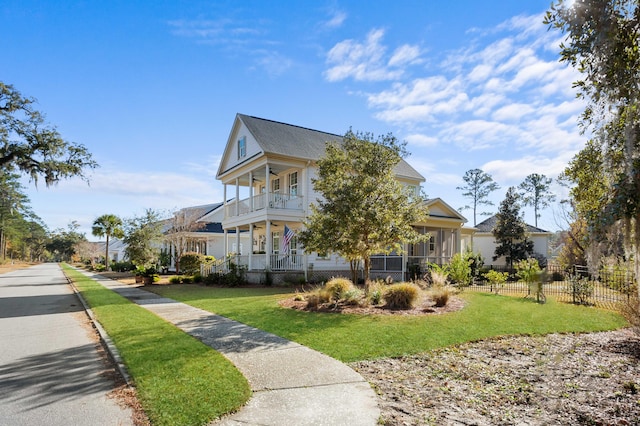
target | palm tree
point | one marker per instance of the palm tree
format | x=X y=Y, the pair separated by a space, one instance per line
x=107 y=224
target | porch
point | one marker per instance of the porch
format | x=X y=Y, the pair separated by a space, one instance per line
x=263 y=202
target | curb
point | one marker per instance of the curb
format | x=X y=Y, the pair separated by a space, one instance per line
x=105 y=340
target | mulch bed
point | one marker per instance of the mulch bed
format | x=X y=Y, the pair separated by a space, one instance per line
x=585 y=379
x=425 y=306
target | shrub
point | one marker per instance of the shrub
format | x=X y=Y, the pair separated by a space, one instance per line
x=197 y=277
x=528 y=270
x=190 y=263
x=122 y=266
x=175 y=279
x=401 y=295
x=441 y=295
x=459 y=270
x=187 y=280
x=376 y=292
x=353 y=296
x=580 y=289
x=496 y=279
x=318 y=297
x=631 y=311
x=337 y=287
x=438 y=277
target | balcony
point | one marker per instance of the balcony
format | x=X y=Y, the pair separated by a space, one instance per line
x=258 y=202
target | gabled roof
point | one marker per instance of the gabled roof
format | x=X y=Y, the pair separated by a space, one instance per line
x=444 y=211
x=289 y=140
x=488 y=224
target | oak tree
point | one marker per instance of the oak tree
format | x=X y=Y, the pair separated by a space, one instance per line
x=33 y=147
x=364 y=209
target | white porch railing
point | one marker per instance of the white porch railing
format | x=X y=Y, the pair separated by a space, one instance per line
x=262 y=201
x=290 y=262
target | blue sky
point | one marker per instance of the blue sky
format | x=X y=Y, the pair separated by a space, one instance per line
x=151 y=88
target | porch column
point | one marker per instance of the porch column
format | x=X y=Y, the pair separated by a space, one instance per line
x=238 y=251
x=251 y=198
x=226 y=243
x=237 y=197
x=224 y=199
x=404 y=260
x=267 y=248
x=249 y=265
x=267 y=183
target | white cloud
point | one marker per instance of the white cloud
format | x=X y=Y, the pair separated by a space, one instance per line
x=421 y=140
x=336 y=20
x=365 y=61
x=405 y=54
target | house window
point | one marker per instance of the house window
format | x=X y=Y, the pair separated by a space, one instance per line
x=275 y=247
x=432 y=244
x=293 y=184
x=275 y=186
x=242 y=147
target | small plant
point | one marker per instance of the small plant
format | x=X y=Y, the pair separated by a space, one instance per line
x=353 y=296
x=439 y=275
x=401 y=295
x=318 y=297
x=631 y=311
x=459 y=270
x=529 y=271
x=337 y=287
x=580 y=289
x=175 y=279
x=496 y=279
x=441 y=295
x=376 y=292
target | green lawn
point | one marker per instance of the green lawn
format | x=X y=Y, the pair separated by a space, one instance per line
x=179 y=380
x=354 y=337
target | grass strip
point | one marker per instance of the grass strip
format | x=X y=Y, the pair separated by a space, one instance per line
x=179 y=380
x=359 y=337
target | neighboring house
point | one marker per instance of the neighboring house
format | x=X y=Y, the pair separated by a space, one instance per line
x=484 y=241
x=268 y=167
x=198 y=229
x=116 y=250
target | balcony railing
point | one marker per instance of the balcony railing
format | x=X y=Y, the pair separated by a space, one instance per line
x=262 y=201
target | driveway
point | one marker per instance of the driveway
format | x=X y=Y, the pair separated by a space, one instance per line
x=51 y=370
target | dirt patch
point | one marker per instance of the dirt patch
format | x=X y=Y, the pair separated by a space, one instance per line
x=589 y=379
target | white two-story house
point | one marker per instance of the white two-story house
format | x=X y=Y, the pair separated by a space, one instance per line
x=267 y=170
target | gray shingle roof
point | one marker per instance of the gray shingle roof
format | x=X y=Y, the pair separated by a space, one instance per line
x=488 y=224
x=299 y=142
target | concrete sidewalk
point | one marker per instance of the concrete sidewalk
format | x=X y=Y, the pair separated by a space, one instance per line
x=291 y=383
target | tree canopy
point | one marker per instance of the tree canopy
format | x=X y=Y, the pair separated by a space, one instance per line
x=142 y=236
x=602 y=42
x=30 y=145
x=108 y=225
x=535 y=192
x=364 y=210
x=510 y=231
x=478 y=187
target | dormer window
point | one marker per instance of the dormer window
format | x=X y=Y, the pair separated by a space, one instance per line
x=242 y=147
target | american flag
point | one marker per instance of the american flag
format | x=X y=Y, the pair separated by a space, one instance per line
x=286 y=239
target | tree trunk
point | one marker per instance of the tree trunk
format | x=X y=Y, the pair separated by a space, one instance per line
x=106 y=255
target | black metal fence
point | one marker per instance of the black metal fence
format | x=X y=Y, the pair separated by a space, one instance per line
x=607 y=288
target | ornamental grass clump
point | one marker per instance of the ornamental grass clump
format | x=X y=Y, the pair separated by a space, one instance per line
x=441 y=295
x=401 y=295
x=338 y=287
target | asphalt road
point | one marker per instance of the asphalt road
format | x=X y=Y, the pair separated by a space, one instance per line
x=51 y=372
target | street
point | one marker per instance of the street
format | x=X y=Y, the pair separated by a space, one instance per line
x=51 y=371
